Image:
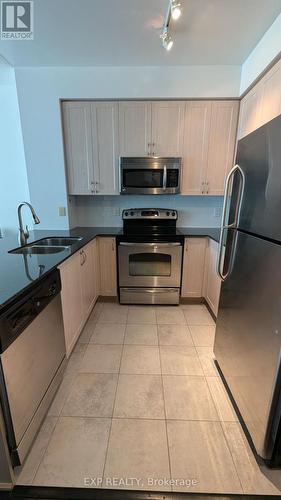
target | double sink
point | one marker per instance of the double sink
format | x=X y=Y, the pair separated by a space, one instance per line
x=48 y=245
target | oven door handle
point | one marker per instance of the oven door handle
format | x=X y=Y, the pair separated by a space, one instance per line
x=149 y=245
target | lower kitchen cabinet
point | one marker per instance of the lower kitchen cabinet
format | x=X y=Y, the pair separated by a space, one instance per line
x=108 y=269
x=79 y=291
x=199 y=276
x=212 y=283
x=193 y=267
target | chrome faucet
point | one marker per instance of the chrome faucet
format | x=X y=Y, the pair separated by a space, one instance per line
x=24 y=233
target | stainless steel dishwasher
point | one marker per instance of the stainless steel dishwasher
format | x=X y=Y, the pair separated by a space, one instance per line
x=32 y=361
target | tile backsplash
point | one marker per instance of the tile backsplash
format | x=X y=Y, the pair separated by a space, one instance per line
x=194 y=211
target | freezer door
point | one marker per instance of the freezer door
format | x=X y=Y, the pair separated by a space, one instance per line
x=248 y=335
x=259 y=156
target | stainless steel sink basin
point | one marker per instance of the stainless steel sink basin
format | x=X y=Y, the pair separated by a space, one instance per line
x=59 y=241
x=37 y=249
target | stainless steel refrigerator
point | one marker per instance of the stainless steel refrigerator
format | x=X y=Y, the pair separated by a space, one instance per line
x=248 y=331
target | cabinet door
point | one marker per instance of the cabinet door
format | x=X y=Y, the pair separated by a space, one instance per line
x=250 y=112
x=167 y=128
x=271 y=95
x=78 y=146
x=195 y=146
x=87 y=279
x=105 y=147
x=134 y=128
x=212 y=281
x=193 y=267
x=108 y=272
x=96 y=263
x=71 y=298
x=221 y=144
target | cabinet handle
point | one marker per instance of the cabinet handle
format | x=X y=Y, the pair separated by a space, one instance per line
x=112 y=246
x=148 y=148
x=153 y=145
x=85 y=256
x=203 y=188
x=81 y=258
x=207 y=184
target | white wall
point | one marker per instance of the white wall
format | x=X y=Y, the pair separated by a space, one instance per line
x=13 y=178
x=265 y=51
x=194 y=211
x=39 y=91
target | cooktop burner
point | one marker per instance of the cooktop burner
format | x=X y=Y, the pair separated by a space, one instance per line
x=150 y=224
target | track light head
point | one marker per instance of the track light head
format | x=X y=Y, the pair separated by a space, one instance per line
x=175 y=9
x=167 y=40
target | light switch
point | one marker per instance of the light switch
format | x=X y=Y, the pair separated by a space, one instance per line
x=62 y=211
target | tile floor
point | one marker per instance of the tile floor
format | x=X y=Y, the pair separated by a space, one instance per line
x=141 y=403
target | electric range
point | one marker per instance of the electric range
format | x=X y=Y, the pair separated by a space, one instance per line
x=150 y=251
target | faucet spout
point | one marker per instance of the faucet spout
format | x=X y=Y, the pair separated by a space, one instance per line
x=23 y=233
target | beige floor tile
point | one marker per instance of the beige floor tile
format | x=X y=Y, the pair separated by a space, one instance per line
x=138 y=449
x=107 y=333
x=140 y=360
x=113 y=313
x=203 y=335
x=92 y=395
x=174 y=335
x=101 y=359
x=76 y=451
x=141 y=334
x=207 y=357
x=255 y=480
x=170 y=316
x=26 y=473
x=65 y=387
x=180 y=360
x=94 y=316
x=139 y=396
x=79 y=348
x=141 y=314
x=223 y=405
x=188 y=398
x=87 y=332
x=198 y=315
x=199 y=452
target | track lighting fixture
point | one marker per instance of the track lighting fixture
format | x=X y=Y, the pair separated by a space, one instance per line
x=167 y=40
x=175 y=9
x=174 y=12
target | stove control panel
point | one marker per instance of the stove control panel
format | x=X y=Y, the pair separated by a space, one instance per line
x=149 y=213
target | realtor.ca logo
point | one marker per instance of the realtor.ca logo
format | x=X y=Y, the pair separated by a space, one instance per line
x=17 y=20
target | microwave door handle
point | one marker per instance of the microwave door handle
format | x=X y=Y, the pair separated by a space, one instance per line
x=165 y=178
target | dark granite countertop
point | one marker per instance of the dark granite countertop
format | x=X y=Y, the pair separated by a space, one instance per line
x=18 y=272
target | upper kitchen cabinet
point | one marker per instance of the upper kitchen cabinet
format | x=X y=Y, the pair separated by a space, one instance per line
x=151 y=128
x=262 y=103
x=135 y=128
x=91 y=147
x=77 y=129
x=195 y=146
x=209 y=143
x=167 y=128
x=221 y=149
x=105 y=147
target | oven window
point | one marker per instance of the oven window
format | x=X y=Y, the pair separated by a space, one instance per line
x=143 y=178
x=150 y=264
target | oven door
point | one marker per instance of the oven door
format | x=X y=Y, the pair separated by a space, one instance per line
x=149 y=264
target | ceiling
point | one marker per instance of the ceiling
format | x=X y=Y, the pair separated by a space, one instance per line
x=126 y=33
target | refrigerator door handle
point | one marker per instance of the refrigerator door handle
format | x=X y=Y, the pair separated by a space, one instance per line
x=234 y=224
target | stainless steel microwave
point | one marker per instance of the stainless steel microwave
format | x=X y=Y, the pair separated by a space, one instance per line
x=150 y=175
